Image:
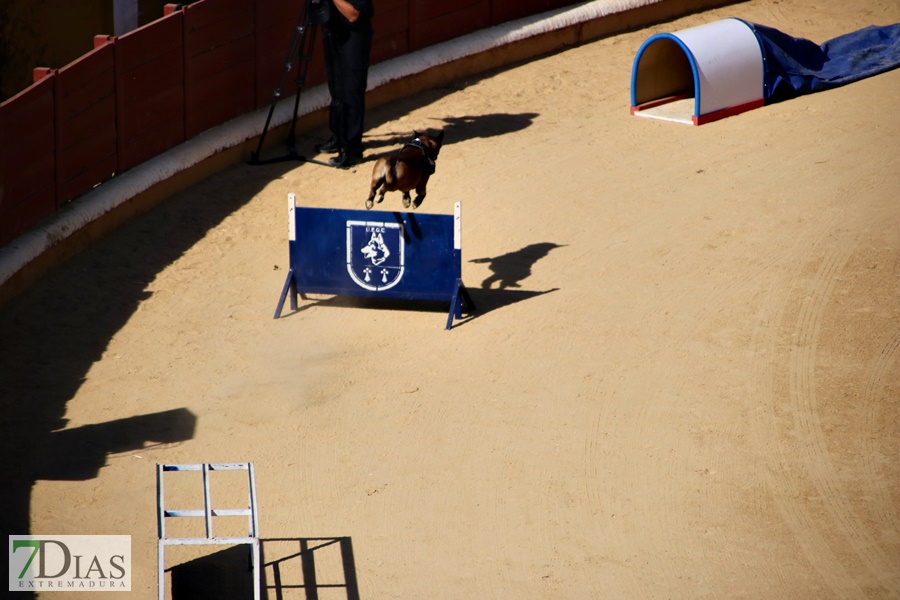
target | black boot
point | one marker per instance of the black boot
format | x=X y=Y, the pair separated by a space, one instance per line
x=345 y=160
x=331 y=146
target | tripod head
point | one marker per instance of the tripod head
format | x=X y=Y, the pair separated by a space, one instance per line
x=318 y=11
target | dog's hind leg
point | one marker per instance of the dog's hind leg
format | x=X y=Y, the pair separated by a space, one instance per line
x=420 y=193
x=377 y=183
x=406 y=199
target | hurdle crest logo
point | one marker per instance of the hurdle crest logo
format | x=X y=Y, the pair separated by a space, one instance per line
x=375 y=254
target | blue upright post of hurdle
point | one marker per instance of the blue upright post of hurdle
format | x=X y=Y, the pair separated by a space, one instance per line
x=400 y=255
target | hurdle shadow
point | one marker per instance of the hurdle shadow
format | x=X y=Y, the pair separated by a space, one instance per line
x=438 y=307
x=312 y=566
x=488 y=300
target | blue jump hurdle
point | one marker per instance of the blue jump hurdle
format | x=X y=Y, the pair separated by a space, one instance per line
x=400 y=255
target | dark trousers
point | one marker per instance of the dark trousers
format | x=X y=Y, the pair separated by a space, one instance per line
x=347 y=65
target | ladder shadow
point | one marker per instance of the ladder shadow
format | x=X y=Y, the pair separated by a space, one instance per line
x=310 y=565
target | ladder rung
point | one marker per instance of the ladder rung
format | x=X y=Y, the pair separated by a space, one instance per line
x=216 y=512
x=207 y=541
x=212 y=467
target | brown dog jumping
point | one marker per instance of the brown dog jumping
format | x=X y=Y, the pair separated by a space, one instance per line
x=406 y=170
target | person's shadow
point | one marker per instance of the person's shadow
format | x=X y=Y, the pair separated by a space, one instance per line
x=456 y=130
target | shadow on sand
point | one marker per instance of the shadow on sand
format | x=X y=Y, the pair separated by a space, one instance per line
x=507 y=271
x=307 y=568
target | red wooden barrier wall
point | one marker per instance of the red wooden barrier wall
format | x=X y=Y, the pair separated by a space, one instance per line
x=27 y=153
x=150 y=90
x=142 y=93
x=434 y=22
x=275 y=22
x=391 y=25
x=85 y=123
x=219 y=63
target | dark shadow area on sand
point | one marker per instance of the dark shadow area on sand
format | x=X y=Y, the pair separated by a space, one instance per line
x=302 y=568
x=53 y=332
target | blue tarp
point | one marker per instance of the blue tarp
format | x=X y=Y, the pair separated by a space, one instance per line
x=795 y=66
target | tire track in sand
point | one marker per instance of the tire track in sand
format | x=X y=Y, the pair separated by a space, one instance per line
x=786 y=473
x=652 y=399
x=782 y=482
x=876 y=380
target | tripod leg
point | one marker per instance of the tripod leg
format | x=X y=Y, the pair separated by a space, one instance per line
x=308 y=45
x=298 y=42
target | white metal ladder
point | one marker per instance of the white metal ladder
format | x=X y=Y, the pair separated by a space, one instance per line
x=207 y=513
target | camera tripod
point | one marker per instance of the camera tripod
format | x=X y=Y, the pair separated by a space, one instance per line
x=314 y=13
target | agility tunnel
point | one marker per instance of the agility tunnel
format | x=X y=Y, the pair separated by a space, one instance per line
x=727 y=67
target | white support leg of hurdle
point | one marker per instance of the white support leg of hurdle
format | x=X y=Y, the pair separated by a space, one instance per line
x=207 y=513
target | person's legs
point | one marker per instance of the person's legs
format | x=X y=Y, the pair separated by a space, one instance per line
x=336 y=109
x=354 y=73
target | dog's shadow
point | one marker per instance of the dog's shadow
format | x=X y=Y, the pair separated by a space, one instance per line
x=508 y=271
x=456 y=129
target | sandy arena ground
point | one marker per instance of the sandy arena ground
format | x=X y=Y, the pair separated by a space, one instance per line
x=682 y=380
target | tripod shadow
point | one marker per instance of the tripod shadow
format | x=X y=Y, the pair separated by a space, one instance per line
x=313 y=565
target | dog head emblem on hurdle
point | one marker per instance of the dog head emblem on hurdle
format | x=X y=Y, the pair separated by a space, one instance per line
x=376 y=250
x=375 y=254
